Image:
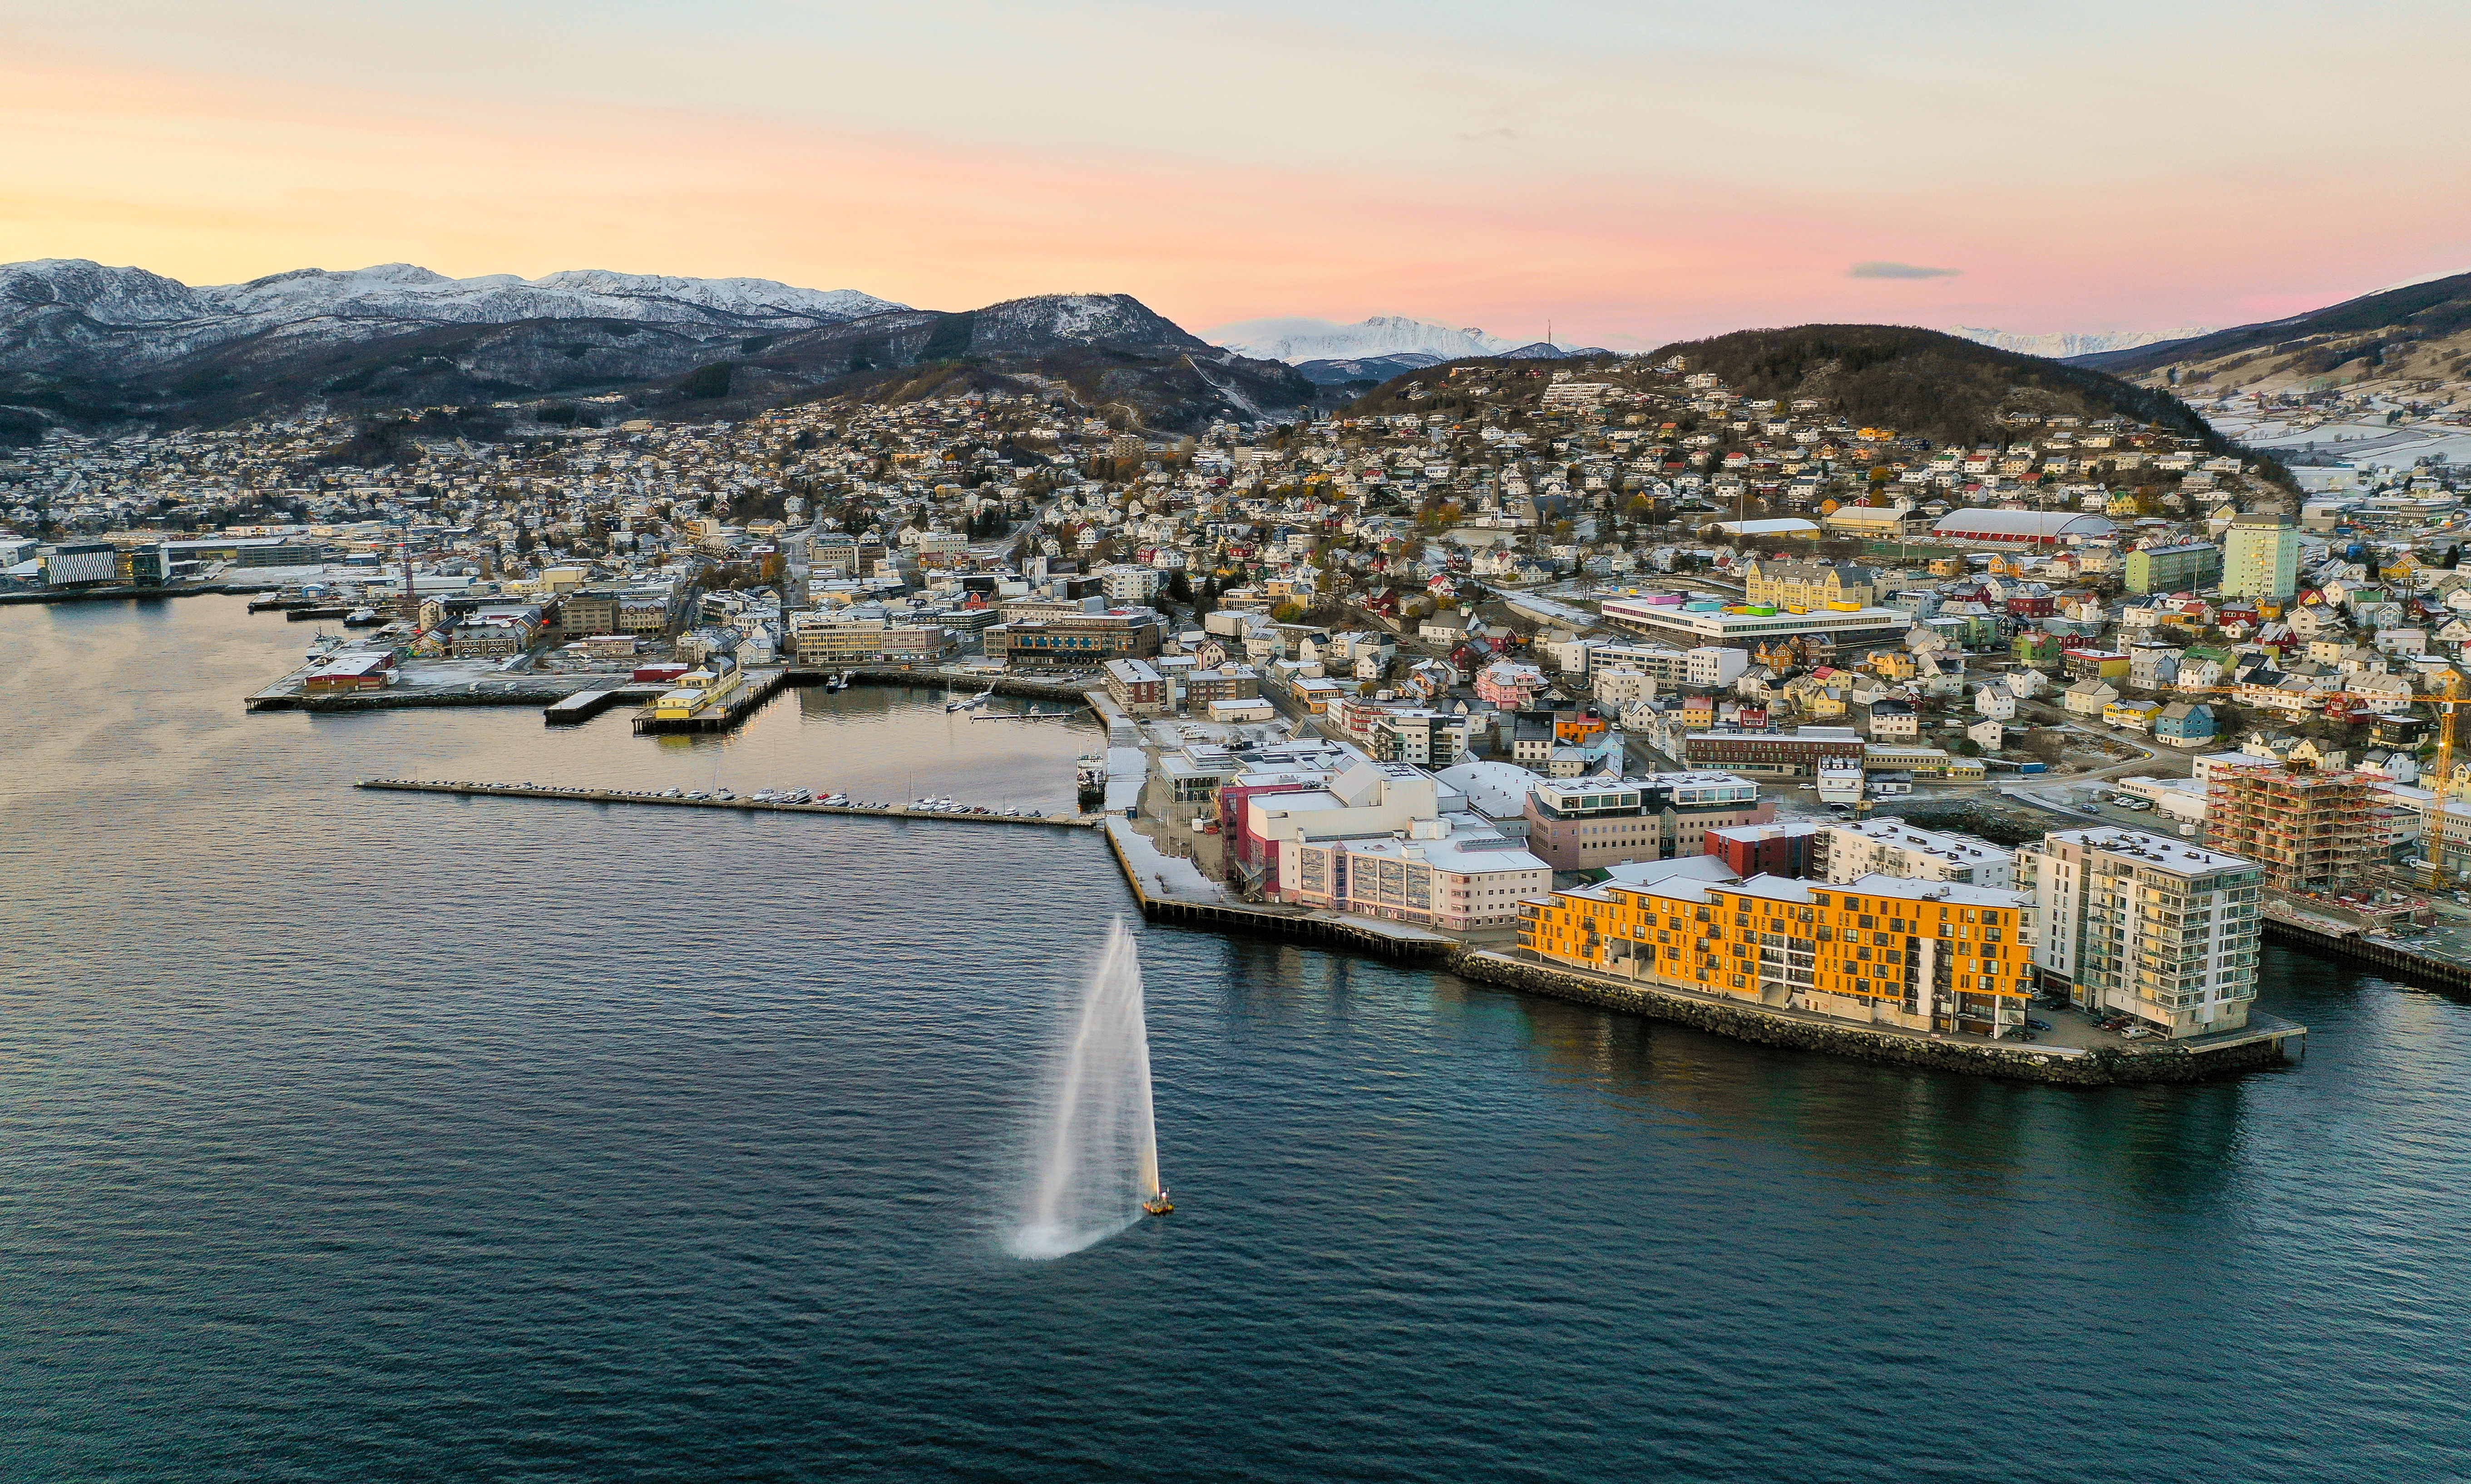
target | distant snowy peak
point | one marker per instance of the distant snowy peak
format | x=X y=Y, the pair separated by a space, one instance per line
x=113 y=295
x=1300 y=340
x=2060 y=346
x=131 y=297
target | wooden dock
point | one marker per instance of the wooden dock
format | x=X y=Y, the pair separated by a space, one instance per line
x=531 y=791
x=761 y=686
x=583 y=705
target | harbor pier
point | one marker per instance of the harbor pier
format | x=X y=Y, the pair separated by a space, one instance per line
x=681 y=800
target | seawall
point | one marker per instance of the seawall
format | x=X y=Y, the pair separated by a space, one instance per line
x=2268 y=1045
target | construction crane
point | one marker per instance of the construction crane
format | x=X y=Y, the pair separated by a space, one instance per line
x=2432 y=842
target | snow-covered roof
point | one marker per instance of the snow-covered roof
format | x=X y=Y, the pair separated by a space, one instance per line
x=2020 y=524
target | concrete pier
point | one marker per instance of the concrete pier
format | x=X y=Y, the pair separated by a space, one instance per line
x=583 y=705
x=528 y=791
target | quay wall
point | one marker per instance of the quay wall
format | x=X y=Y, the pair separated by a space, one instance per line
x=410 y=700
x=2397 y=962
x=123 y=593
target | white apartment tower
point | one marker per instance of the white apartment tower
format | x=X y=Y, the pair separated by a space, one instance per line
x=2147 y=926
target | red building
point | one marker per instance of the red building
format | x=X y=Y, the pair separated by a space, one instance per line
x=1255 y=859
x=1750 y=850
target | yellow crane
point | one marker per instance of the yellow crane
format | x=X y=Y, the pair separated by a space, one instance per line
x=2432 y=845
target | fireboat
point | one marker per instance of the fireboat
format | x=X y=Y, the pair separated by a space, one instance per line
x=1159 y=1205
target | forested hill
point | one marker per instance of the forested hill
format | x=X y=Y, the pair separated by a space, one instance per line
x=1918 y=382
x=1921 y=382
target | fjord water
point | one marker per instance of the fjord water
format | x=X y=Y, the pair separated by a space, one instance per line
x=362 y=1135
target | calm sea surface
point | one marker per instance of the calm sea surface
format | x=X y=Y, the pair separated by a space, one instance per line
x=349 y=1136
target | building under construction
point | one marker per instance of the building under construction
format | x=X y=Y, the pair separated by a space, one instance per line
x=2310 y=831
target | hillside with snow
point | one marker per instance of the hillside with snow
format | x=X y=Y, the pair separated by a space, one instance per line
x=68 y=315
x=82 y=344
x=2061 y=344
x=1298 y=340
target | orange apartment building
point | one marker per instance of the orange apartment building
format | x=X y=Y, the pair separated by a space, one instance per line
x=1923 y=956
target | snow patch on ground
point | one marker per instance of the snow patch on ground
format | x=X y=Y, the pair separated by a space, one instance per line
x=1162 y=875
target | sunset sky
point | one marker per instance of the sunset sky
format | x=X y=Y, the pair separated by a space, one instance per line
x=1634 y=172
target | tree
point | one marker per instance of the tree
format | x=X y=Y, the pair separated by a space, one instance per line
x=2046 y=743
x=707 y=381
x=1966 y=747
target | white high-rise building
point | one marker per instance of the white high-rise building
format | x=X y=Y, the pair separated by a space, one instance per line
x=2145 y=924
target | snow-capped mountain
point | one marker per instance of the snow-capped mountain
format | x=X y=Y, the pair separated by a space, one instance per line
x=83 y=344
x=1081 y=319
x=64 y=314
x=2060 y=346
x=1300 y=340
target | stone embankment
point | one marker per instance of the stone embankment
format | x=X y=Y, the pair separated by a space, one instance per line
x=2268 y=1042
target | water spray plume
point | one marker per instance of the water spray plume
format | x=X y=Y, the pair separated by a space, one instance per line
x=1095 y=1150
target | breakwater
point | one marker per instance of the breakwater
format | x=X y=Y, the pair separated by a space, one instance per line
x=531 y=791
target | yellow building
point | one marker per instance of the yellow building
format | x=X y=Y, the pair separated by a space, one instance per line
x=698 y=690
x=1810 y=586
x=1925 y=955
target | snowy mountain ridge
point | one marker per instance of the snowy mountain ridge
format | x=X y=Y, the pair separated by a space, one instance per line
x=1295 y=339
x=55 y=311
x=2059 y=345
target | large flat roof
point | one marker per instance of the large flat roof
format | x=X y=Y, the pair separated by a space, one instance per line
x=1717 y=624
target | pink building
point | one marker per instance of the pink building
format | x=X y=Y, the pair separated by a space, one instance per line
x=1509 y=684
